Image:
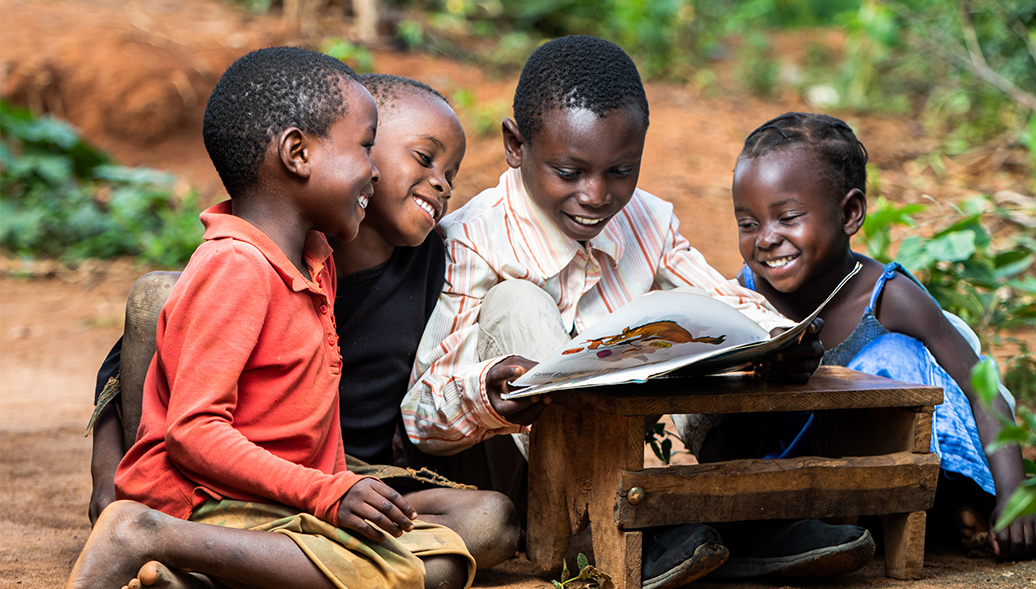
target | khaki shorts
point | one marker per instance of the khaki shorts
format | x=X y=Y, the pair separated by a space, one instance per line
x=349 y=561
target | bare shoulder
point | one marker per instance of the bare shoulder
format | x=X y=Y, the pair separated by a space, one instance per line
x=905 y=307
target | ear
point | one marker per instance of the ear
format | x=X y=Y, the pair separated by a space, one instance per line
x=513 y=142
x=854 y=211
x=293 y=149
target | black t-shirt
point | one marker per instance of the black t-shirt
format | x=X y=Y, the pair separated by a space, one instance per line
x=380 y=314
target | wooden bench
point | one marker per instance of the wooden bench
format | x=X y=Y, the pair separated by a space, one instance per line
x=586 y=464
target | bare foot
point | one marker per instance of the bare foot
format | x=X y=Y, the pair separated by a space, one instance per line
x=158 y=576
x=973 y=528
x=117 y=547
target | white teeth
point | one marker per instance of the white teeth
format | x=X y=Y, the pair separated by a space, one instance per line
x=585 y=221
x=363 y=200
x=426 y=207
x=779 y=262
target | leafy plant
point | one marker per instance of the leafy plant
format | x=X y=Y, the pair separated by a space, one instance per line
x=588 y=578
x=484 y=117
x=357 y=57
x=63 y=198
x=661 y=442
x=1022 y=501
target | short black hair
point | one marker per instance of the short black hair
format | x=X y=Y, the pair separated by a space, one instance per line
x=841 y=158
x=262 y=94
x=577 y=71
x=389 y=88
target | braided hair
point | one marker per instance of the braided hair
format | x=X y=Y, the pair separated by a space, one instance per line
x=262 y=94
x=577 y=71
x=840 y=158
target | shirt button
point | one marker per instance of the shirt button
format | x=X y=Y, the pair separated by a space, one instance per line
x=331 y=339
x=323 y=309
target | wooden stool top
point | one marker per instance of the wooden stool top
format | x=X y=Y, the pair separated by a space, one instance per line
x=831 y=387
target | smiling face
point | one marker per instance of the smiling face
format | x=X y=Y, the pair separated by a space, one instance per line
x=792 y=230
x=419 y=149
x=580 y=169
x=342 y=176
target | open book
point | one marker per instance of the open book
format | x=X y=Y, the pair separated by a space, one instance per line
x=655 y=334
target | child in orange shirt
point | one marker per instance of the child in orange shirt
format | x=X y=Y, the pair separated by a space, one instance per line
x=240 y=418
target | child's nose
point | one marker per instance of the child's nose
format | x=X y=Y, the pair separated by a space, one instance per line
x=768 y=236
x=375 y=174
x=442 y=187
x=594 y=193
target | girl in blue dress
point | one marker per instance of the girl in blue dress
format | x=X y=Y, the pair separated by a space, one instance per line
x=799 y=196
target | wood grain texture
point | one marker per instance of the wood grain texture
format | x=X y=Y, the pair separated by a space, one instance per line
x=790 y=488
x=831 y=387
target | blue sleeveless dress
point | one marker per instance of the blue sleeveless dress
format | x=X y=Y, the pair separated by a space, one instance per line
x=872 y=349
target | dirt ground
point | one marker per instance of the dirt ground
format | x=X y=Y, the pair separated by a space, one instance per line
x=133 y=77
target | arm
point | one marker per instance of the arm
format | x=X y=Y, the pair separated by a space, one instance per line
x=908 y=309
x=449 y=406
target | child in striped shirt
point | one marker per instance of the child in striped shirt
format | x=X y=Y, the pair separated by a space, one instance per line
x=563 y=240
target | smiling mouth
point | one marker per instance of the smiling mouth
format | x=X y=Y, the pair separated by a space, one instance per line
x=780 y=262
x=426 y=207
x=363 y=200
x=586 y=220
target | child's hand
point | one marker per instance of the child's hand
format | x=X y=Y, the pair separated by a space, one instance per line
x=1016 y=541
x=372 y=501
x=797 y=362
x=522 y=411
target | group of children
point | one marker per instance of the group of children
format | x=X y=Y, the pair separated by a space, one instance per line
x=324 y=313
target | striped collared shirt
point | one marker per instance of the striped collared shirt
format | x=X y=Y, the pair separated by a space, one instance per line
x=502 y=235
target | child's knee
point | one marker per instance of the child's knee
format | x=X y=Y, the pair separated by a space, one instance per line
x=493 y=529
x=518 y=317
x=445 y=571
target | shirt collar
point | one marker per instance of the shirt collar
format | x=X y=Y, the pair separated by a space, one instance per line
x=538 y=241
x=220 y=223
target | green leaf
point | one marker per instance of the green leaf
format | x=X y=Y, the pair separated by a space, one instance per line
x=657 y=450
x=1010 y=434
x=667 y=450
x=581 y=561
x=1030 y=467
x=913 y=254
x=984 y=381
x=1012 y=263
x=952 y=247
x=1022 y=502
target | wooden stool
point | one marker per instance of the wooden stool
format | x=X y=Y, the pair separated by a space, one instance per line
x=586 y=464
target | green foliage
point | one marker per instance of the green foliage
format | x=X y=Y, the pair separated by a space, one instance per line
x=588 y=578
x=986 y=279
x=1022 y=501
x=756 y=68
x=63 y=198
x=355 y=56
x=922 y=54
x=661 y=442
x=485 y=117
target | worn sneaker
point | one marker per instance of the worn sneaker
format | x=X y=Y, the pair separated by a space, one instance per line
x=802 y=548
x=681 y=555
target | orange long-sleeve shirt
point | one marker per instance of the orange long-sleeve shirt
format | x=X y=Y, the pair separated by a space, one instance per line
x=241 y=399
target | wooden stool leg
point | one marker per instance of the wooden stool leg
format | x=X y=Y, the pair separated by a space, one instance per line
x=549 y=470
x=904 y=545
x=618 y=445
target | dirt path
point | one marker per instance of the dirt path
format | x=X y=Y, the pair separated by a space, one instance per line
x=134 y=76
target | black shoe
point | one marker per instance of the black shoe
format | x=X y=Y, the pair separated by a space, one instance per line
x=681 y=555
x=803 y=548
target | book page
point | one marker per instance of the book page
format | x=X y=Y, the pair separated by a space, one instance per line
x=655 y=334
